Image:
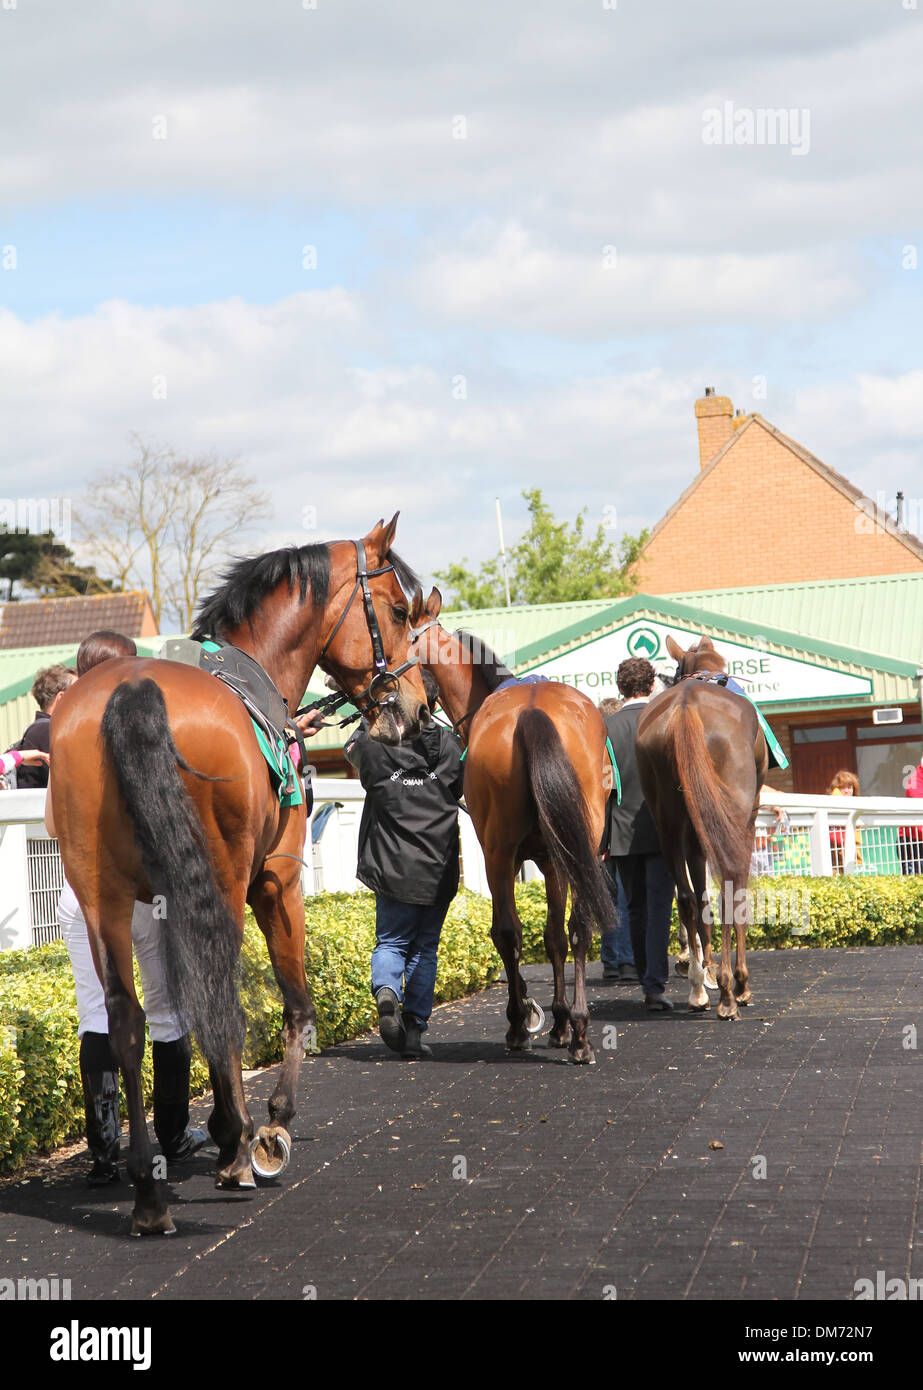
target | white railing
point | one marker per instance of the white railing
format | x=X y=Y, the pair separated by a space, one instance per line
x=815 y=836
x=32 y=875
x=823 y=835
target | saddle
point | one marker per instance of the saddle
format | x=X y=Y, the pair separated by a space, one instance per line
x=266 y=706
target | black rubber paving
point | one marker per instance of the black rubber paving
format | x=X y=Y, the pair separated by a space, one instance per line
x=483 y=1175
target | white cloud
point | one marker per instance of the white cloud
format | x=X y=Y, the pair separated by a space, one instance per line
x=511 y=281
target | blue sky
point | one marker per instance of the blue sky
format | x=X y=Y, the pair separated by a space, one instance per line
x=442 y=258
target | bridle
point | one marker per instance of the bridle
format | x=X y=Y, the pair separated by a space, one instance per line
x=415 y=634
x=382 y=688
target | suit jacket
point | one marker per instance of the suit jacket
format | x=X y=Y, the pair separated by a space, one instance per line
x=630 y=827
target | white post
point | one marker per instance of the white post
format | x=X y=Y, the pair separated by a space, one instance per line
x=15 y=907
x=821 y=860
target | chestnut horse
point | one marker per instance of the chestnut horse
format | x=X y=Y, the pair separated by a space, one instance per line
x=702 y=759
x=160 y=793
x=536 y=784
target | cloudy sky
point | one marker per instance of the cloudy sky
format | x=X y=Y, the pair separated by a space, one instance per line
x=423 y=253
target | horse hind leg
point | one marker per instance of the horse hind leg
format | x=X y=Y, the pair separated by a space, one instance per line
x=581 y=932
x=506 y=934
x=151 y=1215
x=742 y=914
x=556 y=948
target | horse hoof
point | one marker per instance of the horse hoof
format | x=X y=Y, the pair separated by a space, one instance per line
x=744 y=999
x=519 y=1044
x=699 y=1008
x=681 y=967
x=584 y=1056
x=270 y=1151
x=558 y=1039
x=237 y=1174
x=159 y=1225
x=535 y=1019
x=733 y=1017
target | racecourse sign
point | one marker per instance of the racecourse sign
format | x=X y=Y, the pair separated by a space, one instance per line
x=766 y=677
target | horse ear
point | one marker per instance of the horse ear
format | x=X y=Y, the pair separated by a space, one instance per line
x=674 y=649
x=705 y=644
x=434 y=603
x=417 y=607
x=380 y=539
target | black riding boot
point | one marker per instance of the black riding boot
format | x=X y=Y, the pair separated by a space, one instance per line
x=171 y=1101
x=100 y=1077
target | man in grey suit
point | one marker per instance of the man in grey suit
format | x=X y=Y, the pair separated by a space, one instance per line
x=632 y=842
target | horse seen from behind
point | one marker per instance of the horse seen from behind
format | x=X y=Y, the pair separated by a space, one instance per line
x=537 y=781
x=702 y=758
x=160 y=793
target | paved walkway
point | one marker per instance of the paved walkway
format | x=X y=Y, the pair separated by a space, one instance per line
x=481 y=1175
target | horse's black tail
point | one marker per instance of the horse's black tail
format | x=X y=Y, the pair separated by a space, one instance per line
x=562 y=814
x=200 y=939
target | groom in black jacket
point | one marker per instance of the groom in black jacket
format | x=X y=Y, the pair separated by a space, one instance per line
x=408 y=856
x=633 y=844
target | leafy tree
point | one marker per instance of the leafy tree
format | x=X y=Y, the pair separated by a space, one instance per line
x=554 y=562
x=165 y=524
x=45 y=567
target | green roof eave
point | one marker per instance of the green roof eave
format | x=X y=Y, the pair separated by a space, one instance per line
x=147 y=646
x=690 y=615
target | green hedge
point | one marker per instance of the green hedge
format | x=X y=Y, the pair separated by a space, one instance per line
x=41 y=1102
x=846 y=910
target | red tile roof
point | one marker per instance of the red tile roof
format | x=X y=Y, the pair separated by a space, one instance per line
x=54 y=621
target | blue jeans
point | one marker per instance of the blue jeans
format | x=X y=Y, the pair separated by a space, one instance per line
x=615 y=945
x=404 y=958
x=649 y=888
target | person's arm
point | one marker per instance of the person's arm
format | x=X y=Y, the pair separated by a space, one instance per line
x=18 y=756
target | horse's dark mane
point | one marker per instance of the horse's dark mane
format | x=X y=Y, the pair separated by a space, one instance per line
x=486 y=660
x=247 y=582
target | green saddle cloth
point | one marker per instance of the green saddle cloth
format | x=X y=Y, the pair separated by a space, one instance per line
x=775 y=752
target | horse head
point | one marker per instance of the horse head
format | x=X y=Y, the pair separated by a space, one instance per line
x=701 y=656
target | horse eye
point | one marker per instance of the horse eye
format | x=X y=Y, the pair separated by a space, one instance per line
x=400 y=615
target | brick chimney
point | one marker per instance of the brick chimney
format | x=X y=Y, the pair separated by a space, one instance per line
x=715 y=415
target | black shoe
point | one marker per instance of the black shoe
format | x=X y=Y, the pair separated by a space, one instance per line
x=171 y=1101
x=657 y=1004
x=628 y=975
x=191 y=1142
x=415 y=1049
x=390 y=1024
x=611 y=975
x=103 y=1172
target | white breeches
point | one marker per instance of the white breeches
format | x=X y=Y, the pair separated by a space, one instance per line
x=91 y=1000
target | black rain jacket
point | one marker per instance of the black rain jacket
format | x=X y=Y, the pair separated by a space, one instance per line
x=408 y=835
